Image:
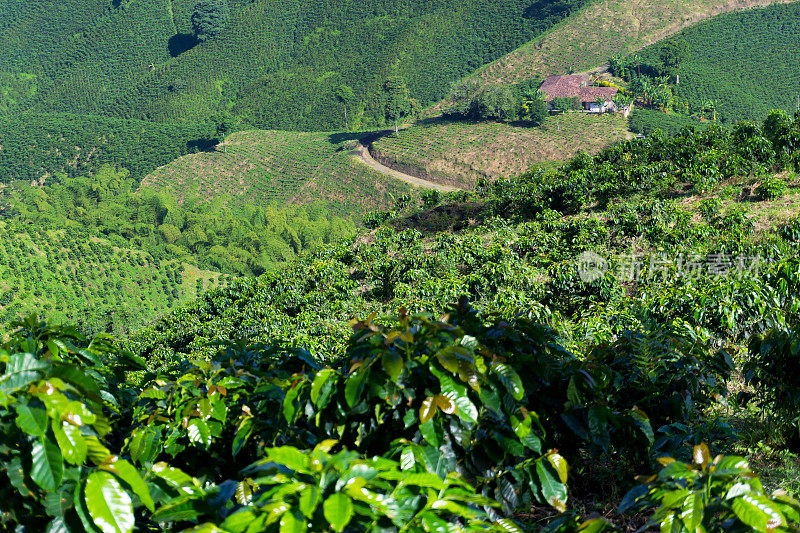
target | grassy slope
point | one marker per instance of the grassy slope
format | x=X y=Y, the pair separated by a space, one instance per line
x=463 y=152
x=584 y=41
x=87 y=280
x=273 y=167
x=603 y=28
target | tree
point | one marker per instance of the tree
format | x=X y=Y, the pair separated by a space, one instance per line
x=566 y=104
x=534 y=110
x=398 y=103
x=346 y=97
x=672 y=54
x=209 y=18
x=622 y=100
x=223 y=123
x=777 y=124
x=462 y=97
x=497 y=102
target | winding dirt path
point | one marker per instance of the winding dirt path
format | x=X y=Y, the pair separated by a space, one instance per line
x=366 y=158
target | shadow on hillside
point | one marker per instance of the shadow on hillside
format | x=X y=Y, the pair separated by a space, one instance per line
x=364 y=137
x=447 y=217
x=178 y=44
x=201 y=145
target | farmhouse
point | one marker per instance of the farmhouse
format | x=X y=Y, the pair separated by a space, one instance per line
x=593 y=99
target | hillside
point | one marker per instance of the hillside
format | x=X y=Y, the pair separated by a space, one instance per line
x=50 y=147
x=460 y=153
x=85 y=280
x=603 y=28
x=276 y=168
x=607 y=346
x=277 y=63
x=742 y=62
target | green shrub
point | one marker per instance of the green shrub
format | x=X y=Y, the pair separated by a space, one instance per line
x=771 y=188
x=719 y=494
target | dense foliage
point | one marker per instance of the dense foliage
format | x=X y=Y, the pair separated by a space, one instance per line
x=471 y=99
x=74 y=276
x=240 y=241
x=646 y=121
x=733 y=67
x=277 y=63
x=46 y=148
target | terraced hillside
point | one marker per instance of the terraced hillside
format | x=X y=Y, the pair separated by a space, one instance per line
x=277 y=64
x=603 y=28
x=86 y=280
x=274 y=167
x=459 y=153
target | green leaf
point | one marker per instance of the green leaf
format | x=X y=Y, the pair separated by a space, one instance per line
x=458 y=394
x=109 y=505
x=427 y=410
x=199 y=433
x=16 y=476
x=81 y=510
x=130 y=476
x=21 y=370
x=338 y=510
x=47 y=467
x=431 y=432
x=508 y=525
x=78 y=377
x=758 y=512
x=423 y=480
x=290 y=457
x=643 y=423
x=96 y=451
x=322 y=387
x=692 y=511
x=244 y=492
x=308 y=501
x=219 y=411
x=433 y=523
x=57 y=525
x=451 y=356
x=289 y=408
x=57 y=503
x=595 y=525
x=240 y=521
x=143 y=445
x=407 y=461
x=352 y=387
x=242 y=435
x=175 y=477
x=559 y=464
x=455 y=508
x=510 y=379
x=392 y=363
x=31 y=420
x=24 y=362
x=292 y=522
x=72 y=444
x=204 y=407
x=554 y=492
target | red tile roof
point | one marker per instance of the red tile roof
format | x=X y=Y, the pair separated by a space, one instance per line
x=570 y=87
x=591 y=94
